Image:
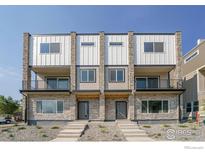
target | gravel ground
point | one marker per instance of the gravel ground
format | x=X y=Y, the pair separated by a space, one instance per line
x=175 y=132
x=29 y=133
x=97 y=131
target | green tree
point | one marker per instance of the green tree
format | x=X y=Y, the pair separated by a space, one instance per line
x=8 y=105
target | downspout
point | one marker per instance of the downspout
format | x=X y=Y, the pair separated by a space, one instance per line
x=25 y=110
x=179 y=98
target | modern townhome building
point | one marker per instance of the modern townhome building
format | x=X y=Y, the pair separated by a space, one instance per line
x=102 y=76
x=194 y=80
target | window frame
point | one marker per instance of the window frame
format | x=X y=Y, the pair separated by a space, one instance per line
x=53 y=100
x=154 y=50
x=87 y=44
x=189 y=107
x=49 y=47
x=195 y=106
x=162 y=104
x=147 y=77
x=87 y=70
x=57 y=80
x=191 y=57
x=116 y=74
x=116 y=44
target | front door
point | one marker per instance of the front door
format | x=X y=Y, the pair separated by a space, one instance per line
x=83 y=110
x=121 y=110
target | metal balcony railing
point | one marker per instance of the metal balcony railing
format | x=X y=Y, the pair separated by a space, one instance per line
x=142 y=83
x=45 y=85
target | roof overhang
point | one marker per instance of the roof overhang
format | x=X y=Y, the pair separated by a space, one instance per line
x=51 y=70
x=173 y=91
x=87 y=94
x=140 y=69
x=117 y=93
x=24 y=92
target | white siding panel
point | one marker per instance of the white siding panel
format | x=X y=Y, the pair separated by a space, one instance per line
x=116 y=55
x=88 y=55
x=62 y=58
x=165 y=58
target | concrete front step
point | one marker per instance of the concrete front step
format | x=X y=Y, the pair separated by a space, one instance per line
x=71 y=131
x=69 y=135
x=65 y=139
x=134 y=130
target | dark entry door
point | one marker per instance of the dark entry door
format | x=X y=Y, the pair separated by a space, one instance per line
x=121 y=110
x=83 y=110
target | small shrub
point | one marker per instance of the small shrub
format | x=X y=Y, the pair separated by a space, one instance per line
x=38 y=127
x=11 y=135
x=165 y=125
x=104 y=130
x=21 y=128
x=101 y=126
x=159 y=134
x=44 y=135
x=55 y=127
x=5 y=130
x=147 y=126
x=183 y=126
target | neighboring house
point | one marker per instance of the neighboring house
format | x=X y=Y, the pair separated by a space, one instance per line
x=102 y=76
x=194 y=80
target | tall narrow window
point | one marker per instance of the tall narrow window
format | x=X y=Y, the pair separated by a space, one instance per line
x=165 y=106
x=188 y=107
x=144 y=106
x=195 y=106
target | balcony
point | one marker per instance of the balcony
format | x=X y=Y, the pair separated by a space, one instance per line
x=46 y=85
x=149 y=84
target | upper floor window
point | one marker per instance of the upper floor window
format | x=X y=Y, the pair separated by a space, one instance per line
x=153 y=47
x=147 y=82
x=117 y=75
x=191 y=57
x=87 y=75
x=49 y=106
x=115 y=43
x=87 y=43
x=57 y=83
x=49 y=47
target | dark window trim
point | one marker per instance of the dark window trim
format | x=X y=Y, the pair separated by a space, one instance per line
x=162 y=102
x=109 y=75
x=88 y=69
x=49 y=44
x=115 y=43
x=153 y=44
x=87 y=44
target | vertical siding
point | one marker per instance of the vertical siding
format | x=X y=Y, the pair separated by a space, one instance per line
x=168 y=57
x=88 y=55
x=62 y=58
x=116 y=55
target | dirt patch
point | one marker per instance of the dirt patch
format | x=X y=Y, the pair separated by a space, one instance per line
x=99 y=131
x=29 y=133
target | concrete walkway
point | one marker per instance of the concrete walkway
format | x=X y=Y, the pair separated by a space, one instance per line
x=132 y=132
x=71 y=132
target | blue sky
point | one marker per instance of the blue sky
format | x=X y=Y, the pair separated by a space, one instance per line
x=14 y=20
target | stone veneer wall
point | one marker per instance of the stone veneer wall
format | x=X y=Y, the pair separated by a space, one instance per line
x=173 y=107
x=68 y=113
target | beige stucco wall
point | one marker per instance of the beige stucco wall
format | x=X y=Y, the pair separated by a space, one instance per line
x=118 y=85
x=88 y=86
x=173 y=107
x=66 y=115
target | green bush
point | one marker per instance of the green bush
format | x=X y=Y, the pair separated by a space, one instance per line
x=147 y=126
x=44 y=135
x=38 y=127
x=55 y=127
x=21 y=128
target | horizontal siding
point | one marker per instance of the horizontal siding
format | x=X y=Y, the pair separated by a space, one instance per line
x=45 y=59
x=88 y=55
x=168 y=57
x=116 y=55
